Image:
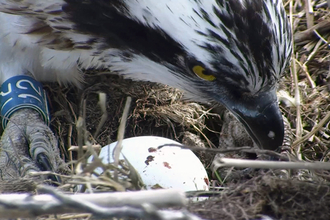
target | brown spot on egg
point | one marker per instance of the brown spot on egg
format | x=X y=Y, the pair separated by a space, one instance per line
x=167 y=165
x=152 y=149
x=149 y=159
x=206 y=180
x=157 y=186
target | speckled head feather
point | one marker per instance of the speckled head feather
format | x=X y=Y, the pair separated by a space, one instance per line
x=245 y=44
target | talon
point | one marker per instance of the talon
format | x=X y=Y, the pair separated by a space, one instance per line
x=44 y=164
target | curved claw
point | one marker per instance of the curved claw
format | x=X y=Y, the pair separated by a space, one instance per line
x=28 y=145
x=44 y=164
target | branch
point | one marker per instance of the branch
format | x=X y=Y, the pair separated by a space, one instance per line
x=104 y=205
x=228 y=162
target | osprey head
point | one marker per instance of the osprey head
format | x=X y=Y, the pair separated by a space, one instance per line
x=232 y=52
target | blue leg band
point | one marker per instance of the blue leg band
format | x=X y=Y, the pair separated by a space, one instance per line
x=22 y=92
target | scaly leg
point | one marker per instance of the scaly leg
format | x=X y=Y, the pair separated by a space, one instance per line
x=27 y=143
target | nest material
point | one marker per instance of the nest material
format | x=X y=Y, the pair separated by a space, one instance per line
x=269 y=195
x=160 y=110
x=155 y=110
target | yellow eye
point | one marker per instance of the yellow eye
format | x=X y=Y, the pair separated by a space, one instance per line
x=199 y=71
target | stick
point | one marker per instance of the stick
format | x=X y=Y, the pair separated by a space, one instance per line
x=55 y=202
x=229 y=162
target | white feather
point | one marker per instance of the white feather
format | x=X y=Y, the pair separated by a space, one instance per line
x=21 y=53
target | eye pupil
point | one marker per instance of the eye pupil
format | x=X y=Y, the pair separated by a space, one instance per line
x=199 y=71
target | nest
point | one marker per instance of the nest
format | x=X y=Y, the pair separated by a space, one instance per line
x=162 y=111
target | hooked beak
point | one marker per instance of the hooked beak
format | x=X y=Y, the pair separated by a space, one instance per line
x=263 y=120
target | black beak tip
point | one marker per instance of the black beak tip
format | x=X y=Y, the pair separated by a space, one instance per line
x=269 y=128
x=265 y=127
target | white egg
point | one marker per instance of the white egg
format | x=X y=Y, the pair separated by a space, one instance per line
x=167 y=167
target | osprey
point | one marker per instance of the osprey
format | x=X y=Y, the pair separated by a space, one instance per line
x=232 y=52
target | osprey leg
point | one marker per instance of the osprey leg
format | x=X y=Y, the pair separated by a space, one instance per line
x=27 y=143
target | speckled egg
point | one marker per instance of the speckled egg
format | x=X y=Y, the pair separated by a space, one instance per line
x=165 y=167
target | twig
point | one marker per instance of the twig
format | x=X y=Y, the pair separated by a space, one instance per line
x=96 y=147
x=102 y=204
x=102 y=104
x=313 y=131
x=229 y=162
x=245 y=149
x=309 y=13
x=305 y=70
x=294 y=74
x=69 y=145
x=80 y=130
x=309 y=34
x=299 y=128
x=121 y=132
x=321 y=38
